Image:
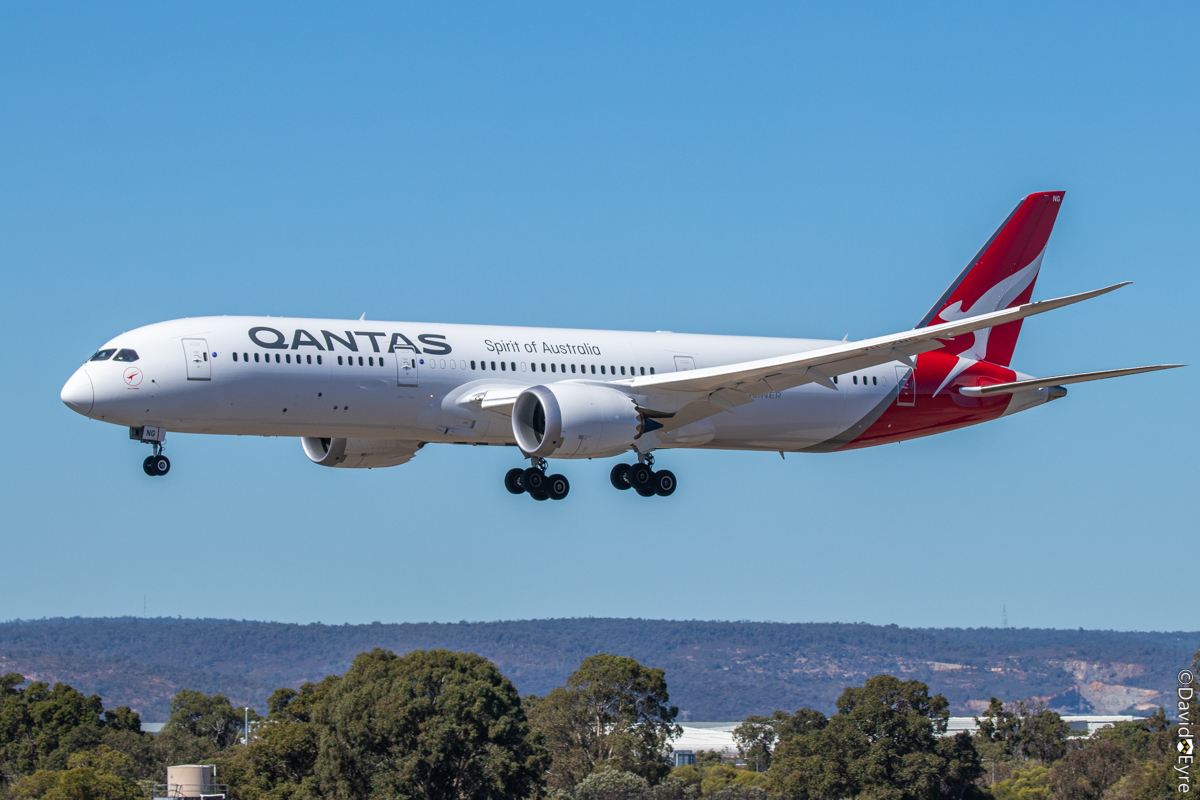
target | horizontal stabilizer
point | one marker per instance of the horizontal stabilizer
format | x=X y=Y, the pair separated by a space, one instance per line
x=1041 y=383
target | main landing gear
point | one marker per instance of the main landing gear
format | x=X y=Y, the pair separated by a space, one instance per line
x=157 y=464
x=643 y=478
x=536 y=483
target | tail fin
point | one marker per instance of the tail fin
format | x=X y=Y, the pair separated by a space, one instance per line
x=1001 y=275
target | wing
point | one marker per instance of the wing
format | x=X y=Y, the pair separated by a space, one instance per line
x=818 y=366
x=1059 y=380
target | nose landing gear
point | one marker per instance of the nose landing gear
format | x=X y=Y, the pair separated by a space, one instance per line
x=534 y=482
x=157 y=464
x=643 y=479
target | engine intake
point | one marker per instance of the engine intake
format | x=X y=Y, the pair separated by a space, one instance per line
x=575 y=421
x=358 y=453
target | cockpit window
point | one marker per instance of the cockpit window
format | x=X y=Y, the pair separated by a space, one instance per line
x=126 y=355
x=103 y=355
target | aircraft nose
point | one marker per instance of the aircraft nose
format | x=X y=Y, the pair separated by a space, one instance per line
x=77 y=393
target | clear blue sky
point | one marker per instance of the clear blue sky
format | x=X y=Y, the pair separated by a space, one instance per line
x=722 y=168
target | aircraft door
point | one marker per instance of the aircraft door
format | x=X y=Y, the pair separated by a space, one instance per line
x=406 y=370
x=683 y=363
x=908 y=387
x=195 y=351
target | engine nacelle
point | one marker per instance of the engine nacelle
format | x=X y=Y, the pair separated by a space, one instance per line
x=358 y=453
x=566 y=420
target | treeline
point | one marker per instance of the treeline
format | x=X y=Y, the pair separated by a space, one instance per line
x=443 y=725
x=719 y=670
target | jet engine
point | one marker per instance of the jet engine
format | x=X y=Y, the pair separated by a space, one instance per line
x=358 y=453
x=567 y=420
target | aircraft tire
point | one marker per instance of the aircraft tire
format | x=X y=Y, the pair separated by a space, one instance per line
x=619 y=477
x=535 y=480
x=161 y=465
x=148 y=466
x=539 y=495
x=557 y=487
x=664 y=483
x=644 y=491
x=514 y=480
x=641 y=476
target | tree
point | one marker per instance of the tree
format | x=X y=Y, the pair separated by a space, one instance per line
x=1087 y=773
x=1023 y=731
x=1031 y=783
x=756 y=736
x=210 y=717
x=884 y=742
x=435 y=725
x=83 y=783
x=612 y=784
x=41 y=725
x=613 y=712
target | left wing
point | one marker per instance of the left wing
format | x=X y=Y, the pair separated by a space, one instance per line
x=818 y=366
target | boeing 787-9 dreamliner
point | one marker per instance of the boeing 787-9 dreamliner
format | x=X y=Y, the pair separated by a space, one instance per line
x=371 y=394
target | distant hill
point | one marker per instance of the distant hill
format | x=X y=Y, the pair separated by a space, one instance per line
x=715 y=670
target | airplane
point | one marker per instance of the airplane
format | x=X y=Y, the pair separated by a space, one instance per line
x=366 y=394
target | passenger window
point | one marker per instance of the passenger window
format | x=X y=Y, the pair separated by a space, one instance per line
x=612 y=369
x=552 y=369
x=874 y=381
x=643 y=370
x=339 y=361
x=360 y=361
x=572 y=369
x=503 y=366
x=103 y=355
x=652 y=370
x=130 y=355
x=235 y=356
x=593 y=369
x=371 y=361
x=289 y=358
x=277 y=358
x=493 y=365
x=472 y=365
x=318 y=359
x=308 y=359
x=602 y=369
x=245 y=356
x=256 y=358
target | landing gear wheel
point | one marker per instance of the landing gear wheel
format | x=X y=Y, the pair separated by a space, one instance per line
x=619 y=477
x=148 y=466
x=160 y=464
x=535 y=480
x=640 y=476
x=664 y=483
x=557 y=486
x=539 y=495
x=644 y=491
x=514 y=480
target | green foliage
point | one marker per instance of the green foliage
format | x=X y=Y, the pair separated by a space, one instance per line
x=210 y=717
x=434 y=724
x=1023 y=731
x=42 y=725
x=612 y=784
x=1087 y=772
x=613 y=713
x=882 y=743
x=104 y=759
x=756 y=737
x=1031 y=783
x=709 y=758
x=82 y=783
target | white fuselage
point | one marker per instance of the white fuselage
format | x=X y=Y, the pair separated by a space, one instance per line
x=415 y=381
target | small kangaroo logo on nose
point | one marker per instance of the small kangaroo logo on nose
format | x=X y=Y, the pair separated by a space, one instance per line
x=133 y=376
